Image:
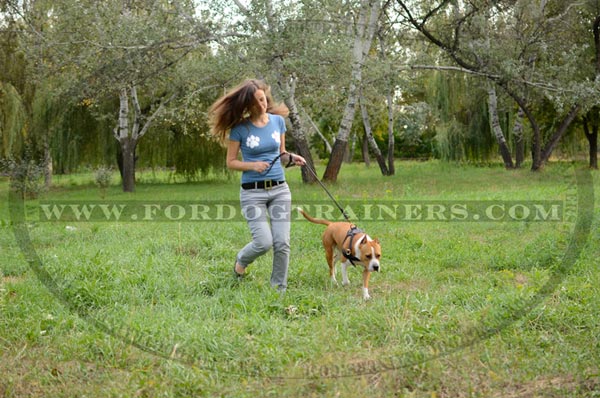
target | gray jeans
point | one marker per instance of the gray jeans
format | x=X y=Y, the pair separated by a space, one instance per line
x=268 y=215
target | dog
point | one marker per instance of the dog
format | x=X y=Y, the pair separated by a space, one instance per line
x=343 y=238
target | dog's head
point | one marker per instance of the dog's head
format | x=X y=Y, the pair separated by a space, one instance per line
x=369 y=253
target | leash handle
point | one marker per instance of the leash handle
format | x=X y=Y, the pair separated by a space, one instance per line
x=272 y=163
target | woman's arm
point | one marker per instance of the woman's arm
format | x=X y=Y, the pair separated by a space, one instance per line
x=233 y=163
x=287 y=159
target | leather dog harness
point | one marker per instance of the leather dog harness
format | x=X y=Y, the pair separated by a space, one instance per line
x=348 y=252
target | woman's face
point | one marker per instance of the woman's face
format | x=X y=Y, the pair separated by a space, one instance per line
x=261 y=101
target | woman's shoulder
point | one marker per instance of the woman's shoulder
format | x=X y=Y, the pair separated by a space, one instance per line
x=277 y=119
x=239 y=129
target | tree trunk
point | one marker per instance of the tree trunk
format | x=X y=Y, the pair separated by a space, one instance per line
x=128 y=139
x=349 y=155
x=536 y=140
x=497 y=129
x=371 y=139
x=288 y=87
x=319 y=133
x=340 y=145
x=593 y=140
x=126 y=142
x=391 y=138
x=365 y=150
x=389 y=101
x=519 y=138
x=593 y=115
x=560 y=131
x=592 y=137
x=128 y=155
x=362 y=45
x=302 y=146
x=336 y=159
x=122 y=135
x=303 y=149
x=120 y=160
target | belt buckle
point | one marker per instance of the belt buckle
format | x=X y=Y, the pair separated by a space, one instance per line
x=268 y=185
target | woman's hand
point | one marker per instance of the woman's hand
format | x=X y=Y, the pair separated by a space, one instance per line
x=260 y=167
x=298 y=160
x=291 y=159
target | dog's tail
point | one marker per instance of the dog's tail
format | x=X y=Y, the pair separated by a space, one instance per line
x=314 y=220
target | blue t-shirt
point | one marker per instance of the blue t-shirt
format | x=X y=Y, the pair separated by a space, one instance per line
x=260 y=144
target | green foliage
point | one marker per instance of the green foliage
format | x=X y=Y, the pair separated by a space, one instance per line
x=13 y=121
x=103 y=177
x=26 y=176
x=416 y=132
x=461 y=118
x=195 y=155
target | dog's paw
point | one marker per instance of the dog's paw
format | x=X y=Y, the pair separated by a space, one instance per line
x=366 y=295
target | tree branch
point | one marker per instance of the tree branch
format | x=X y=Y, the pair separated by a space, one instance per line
x=316 y=128
x=155 y=114
x=249 y=15
x=420 y=26
x=137 y=112
x=491 y=76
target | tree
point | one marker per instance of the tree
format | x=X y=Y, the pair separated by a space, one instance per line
x=369 y=137
x=522 y=32
x=365 y=30
x=591 y=120
x=590 y=129
x=96 y=51
x=13 y=117
x=128 y=135
x=389 y=99
x=497 y=129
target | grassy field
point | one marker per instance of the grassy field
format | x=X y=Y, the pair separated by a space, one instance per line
x=462 y=307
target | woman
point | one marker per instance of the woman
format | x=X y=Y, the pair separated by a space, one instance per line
x=251 y=123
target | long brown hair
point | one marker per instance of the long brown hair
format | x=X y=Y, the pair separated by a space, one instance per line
x=238 y=105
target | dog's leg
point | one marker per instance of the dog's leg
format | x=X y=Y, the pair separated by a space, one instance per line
x=366 y=276
x=345 y=280
x=331 y=260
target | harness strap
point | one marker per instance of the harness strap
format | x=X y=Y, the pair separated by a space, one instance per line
x=348 y=252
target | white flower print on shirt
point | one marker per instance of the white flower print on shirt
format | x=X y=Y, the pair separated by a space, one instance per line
x=252 y=141
x=276 y=136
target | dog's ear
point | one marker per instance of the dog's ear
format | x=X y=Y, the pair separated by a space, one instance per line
x=363 y=240
x=376 y=240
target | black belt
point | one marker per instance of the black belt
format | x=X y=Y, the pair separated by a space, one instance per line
x=266 y=184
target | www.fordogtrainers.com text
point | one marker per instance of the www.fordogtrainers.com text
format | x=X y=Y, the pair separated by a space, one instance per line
x=221 y=211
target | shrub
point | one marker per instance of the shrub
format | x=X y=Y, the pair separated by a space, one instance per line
x=103 y=177
x=26 y=176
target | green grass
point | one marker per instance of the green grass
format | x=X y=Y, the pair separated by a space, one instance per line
x=459 y=309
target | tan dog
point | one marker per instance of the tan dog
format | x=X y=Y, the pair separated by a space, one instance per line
x=353 y=244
